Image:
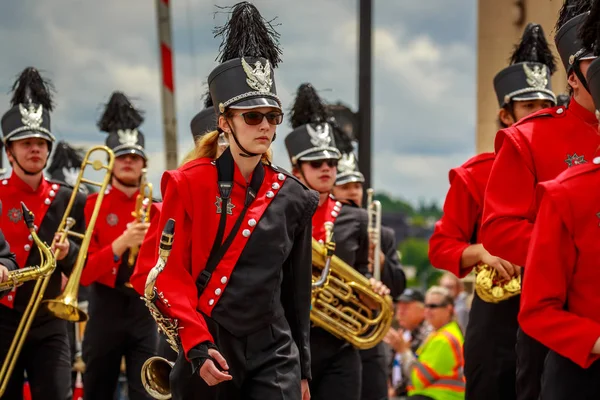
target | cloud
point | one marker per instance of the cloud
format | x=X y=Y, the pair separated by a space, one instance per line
x=423 y=83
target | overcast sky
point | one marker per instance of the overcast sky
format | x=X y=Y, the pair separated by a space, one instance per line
x=423 y=89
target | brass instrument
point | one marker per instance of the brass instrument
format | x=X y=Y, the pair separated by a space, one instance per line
x=491 y=288
x=65 y=306
x=156 y=370
x=337 y=306
x=42 y=274
x=142 y=211
x=374 y=227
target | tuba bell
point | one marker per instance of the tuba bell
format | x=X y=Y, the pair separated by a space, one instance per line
x=156 y=370
x=42 y=274
x=65 y=306
x=492 y=288
x=337 y=306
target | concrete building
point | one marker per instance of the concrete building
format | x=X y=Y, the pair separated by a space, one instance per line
x=500 y=25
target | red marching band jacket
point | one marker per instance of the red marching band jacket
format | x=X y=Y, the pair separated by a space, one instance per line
x=326 y=212
x=195 y=188
x=560 y=303
x=461 y=222
x=13 y=191
x=115 y=214
x=535 y=149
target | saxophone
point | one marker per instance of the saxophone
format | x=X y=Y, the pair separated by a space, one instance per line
x=156 y=370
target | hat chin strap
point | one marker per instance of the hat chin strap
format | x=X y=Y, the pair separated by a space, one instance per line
x=577 y=70
x=245 y=153
x=26 y=172
x=306 y=180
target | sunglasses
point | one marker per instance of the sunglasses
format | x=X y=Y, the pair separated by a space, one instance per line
x=255 y=117
x=316 y=164
x=433 y=306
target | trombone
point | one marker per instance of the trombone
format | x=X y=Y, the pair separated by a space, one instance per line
x=42 y=274
x=65 y=306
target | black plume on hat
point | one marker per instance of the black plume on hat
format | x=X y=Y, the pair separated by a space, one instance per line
x=342 y=141
x=590 y=30
x=120 y=114
x=248 y=34
x=30 y=87
x=308 y=107
x=534 y=48
x=571 y=9
x=64 y=156
x=208 y=102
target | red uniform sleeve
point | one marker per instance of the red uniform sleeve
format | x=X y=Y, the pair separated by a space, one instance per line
x=551 y=265
x=100 y=259
x=176 y=282
x=148 y=249
x=509 y=205
x=454 y=231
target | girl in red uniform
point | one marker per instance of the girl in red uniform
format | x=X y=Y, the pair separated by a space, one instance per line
x=455 y=245
x=238 y=279
x=560 y=305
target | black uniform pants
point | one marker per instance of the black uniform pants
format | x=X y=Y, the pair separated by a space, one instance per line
x=489 y=350
x=531 y=356
x=119 y=327
x=263 y=365
x=336 y=368
x=565 y=380
x=374 y=373
x=45 y=357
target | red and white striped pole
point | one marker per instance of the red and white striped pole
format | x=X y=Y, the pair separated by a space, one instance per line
x=163 y=18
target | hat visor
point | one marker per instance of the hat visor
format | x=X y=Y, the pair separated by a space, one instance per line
x=256 y=102
x=130 y=150
x=349 y=178
x=321 y=154
x=535 y=96
x=31 y=134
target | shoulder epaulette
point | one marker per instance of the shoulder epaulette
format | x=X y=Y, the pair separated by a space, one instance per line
x=479 y=158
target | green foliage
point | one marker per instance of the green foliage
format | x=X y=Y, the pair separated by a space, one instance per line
x=415 y=253
x=398 y=205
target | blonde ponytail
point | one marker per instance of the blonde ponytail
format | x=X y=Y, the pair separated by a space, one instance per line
x=207 y=146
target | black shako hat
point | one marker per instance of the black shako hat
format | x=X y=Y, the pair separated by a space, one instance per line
x=121 y=121
x=590 y=36
x=205 y=121
x=528 y=76
x=313 y=136
x=248 y=55
x=571 y=18
x=347 y=170
x=31 y=104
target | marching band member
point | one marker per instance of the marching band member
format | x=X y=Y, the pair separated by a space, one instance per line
x=348 y=189
x=455 y=245
x=28 y=143
x=534 y=150
x=119 y=324
x=560 y=311
x=311 y=146
x=8 y=261
x=238 y=279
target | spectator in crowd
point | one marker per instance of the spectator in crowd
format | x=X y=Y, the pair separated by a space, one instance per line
x=414 y=329
x=456 y=289
x=436 y=370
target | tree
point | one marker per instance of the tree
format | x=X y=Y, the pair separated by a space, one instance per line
x=415 y=252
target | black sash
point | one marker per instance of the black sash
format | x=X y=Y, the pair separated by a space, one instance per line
x=225 y=168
